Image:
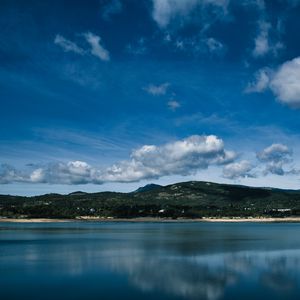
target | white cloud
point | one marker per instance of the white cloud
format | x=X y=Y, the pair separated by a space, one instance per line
x=73 y=172
x=262 y=46
x=167 y=38
x=214 y=45
x=179 y=44
x=9 y=174
x=173 y=105
x=67 y=45
x=237 y=170
x=96 y=48
x=275 y=157
x=94 y=42
x=266 y=42
x=38 y=175
x=275 y=152
x=260 y=83
x=182 y=157
x=166 y=10
x=179 y=158
x=157 y=90
x=284 y=82
x=196 y=45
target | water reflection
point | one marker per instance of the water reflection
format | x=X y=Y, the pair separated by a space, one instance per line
x=207 y=276
x=165 y=262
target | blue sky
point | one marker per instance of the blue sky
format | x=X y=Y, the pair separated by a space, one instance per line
x=111 y=95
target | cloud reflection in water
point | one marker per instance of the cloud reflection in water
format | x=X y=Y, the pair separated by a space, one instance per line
x=207 y=276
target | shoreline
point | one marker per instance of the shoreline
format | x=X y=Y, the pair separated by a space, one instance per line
x=155 y=220
x=33 y=220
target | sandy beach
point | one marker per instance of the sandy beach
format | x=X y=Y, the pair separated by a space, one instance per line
x=150 y=219
x=254 y=220
x=12 y=220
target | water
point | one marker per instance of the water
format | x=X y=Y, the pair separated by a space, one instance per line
x=149 y=261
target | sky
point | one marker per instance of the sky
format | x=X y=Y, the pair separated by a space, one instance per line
x=112 y=95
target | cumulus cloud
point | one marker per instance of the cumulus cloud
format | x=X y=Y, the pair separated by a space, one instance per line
x=275 y=157
x=166 y=10
x=157 y=90
x=284 y=82
x=182 y=157
x=173 y=105
x=67 y=45
x=237 y=170
x=274 y=152
x=73 y=172
x=96 y=48
x=9 y=174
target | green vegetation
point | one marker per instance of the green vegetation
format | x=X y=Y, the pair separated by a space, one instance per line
x=182 y=200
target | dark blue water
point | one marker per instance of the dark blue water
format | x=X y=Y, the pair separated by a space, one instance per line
x=149 y=261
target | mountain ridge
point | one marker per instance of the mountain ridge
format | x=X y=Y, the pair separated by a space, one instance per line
x=192 y=199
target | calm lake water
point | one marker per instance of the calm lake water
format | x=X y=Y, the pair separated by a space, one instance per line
x=149 y=261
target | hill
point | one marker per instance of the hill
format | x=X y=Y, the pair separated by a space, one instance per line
x=148 y=187
x=192 y=199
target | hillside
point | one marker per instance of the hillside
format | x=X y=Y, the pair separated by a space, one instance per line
x=181 y=200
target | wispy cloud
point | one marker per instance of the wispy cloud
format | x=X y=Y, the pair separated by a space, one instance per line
x=195 y=45
x=97 y=49
x=260 y=83
x=164 y=11
x=214 y=45
x=137 y=48
x=173 y=105
x=262 y=45
x=67 y=45
x=157 y=90
x=113 y=7
x=268 y=38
